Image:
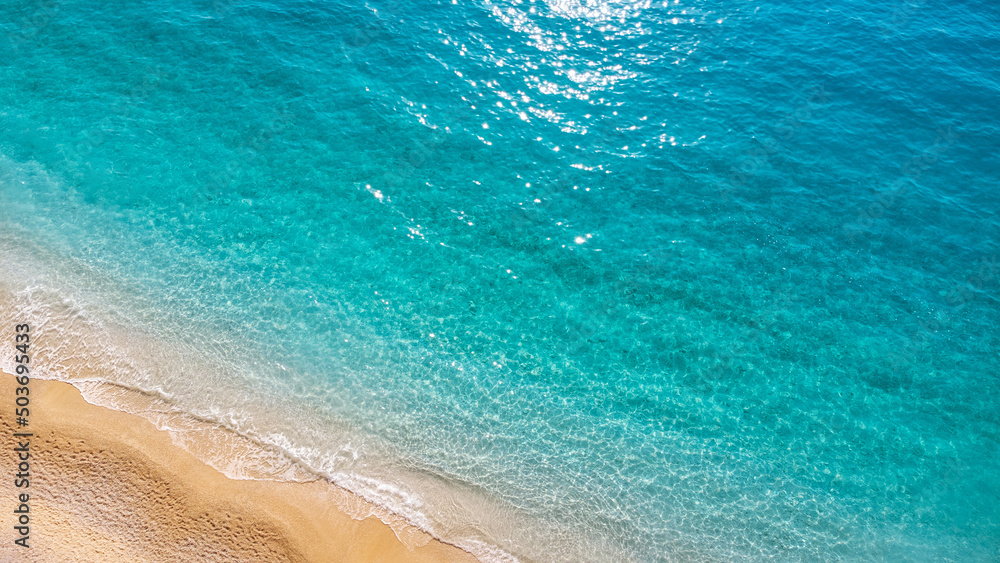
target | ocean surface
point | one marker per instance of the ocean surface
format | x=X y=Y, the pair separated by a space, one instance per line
x=558 y=280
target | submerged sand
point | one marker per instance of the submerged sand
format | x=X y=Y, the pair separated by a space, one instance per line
x=108 y=486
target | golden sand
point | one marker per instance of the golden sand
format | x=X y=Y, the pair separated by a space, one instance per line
x=108 y=486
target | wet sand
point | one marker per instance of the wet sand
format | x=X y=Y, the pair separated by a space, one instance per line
x=109 y=486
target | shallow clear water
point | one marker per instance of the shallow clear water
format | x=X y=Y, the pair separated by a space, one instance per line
x=558 y=280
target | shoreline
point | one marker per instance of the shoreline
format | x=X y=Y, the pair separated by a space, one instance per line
x=109 y=486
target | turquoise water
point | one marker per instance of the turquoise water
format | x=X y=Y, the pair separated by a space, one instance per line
x=555 y=281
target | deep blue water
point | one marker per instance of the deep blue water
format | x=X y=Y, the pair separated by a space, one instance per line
x=559 y=281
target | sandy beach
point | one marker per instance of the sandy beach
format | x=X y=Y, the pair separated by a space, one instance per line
x=109 y=486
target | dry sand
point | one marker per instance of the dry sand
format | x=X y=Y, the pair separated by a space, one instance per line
x=108 y=486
